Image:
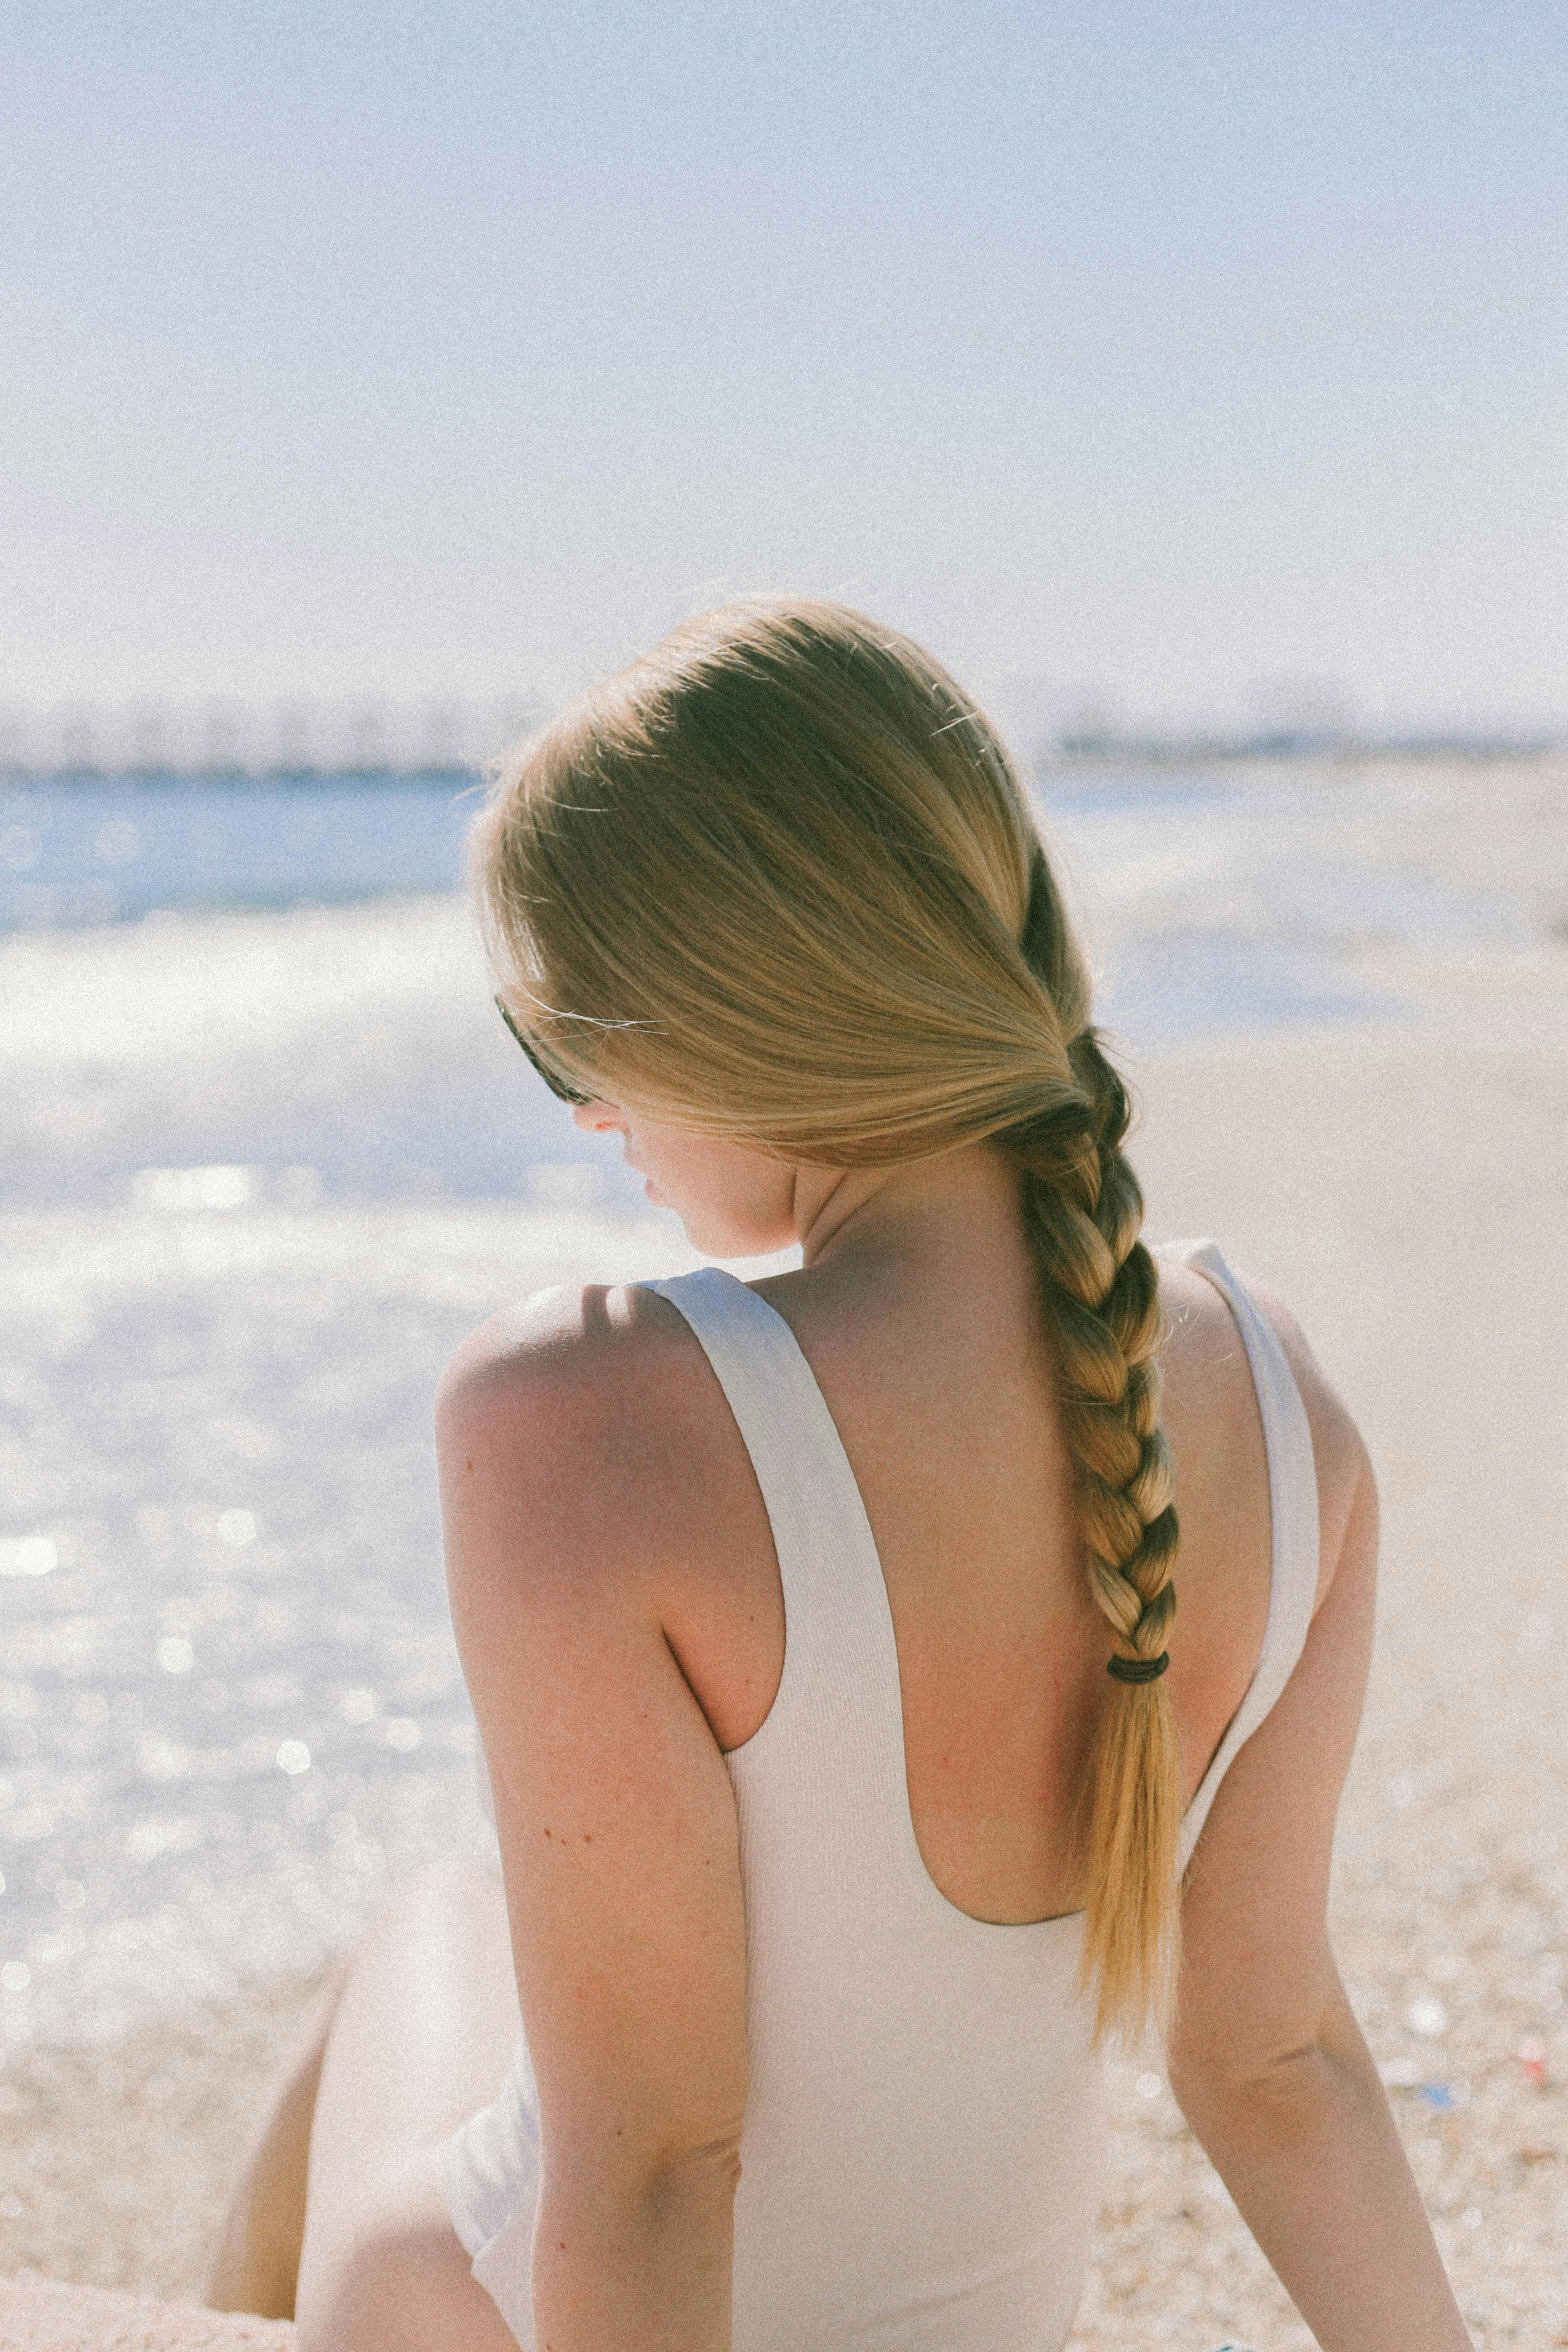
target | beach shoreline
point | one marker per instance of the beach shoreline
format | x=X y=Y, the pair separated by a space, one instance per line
x=1402 y=1182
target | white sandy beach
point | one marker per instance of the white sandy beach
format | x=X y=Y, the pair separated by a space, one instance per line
x=1403 y=1182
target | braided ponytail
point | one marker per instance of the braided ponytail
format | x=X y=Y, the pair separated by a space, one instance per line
x=860 y=959
x=1083 y=1210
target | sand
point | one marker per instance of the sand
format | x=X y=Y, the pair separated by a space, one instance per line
x=40 y=2315
x=1405 y=1186
x=1402 y=1184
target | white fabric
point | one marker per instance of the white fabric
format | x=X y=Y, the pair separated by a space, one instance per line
x=921 y=2154
x=1293 y=1509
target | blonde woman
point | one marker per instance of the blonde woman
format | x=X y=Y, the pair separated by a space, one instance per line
x=855 y=1773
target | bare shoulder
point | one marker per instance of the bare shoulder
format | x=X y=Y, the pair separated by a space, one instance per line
x=572 y=1415
x=1210 y=1398
x=567 y=1347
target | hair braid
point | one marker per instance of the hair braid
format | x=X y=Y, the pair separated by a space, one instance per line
x=1083 y=1210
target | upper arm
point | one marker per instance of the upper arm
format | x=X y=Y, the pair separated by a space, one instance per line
x=613 y=1806
x=1258 y=1980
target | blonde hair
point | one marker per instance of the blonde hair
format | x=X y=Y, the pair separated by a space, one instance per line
x=778 y=882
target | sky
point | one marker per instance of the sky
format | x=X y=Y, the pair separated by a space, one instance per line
x=1179 y=363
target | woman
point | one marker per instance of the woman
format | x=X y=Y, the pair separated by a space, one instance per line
x=854 y=1775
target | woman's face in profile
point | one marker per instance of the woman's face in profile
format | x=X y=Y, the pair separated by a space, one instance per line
x=733 y=1202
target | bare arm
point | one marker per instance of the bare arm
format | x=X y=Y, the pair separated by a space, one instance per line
x=620 y=1857
x=1266 y=2060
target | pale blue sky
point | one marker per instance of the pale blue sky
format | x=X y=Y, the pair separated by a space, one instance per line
x=1147 y=353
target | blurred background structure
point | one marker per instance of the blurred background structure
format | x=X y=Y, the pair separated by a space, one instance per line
x=232 y=739
x=1191 y=381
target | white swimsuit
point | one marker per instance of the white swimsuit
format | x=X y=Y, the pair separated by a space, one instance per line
x=922 y=2152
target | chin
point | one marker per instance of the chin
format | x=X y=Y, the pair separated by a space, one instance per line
x=716 y=1237
x=713 y=1239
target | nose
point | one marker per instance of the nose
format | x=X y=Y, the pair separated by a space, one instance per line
x=597 y=1118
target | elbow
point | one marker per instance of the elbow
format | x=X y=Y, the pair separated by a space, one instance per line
x=1278 y=2075
x=708 y=2176
x=665 y=2183
x=1276 y=2099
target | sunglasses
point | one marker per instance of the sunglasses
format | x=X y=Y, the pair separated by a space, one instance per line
x=558 y=1087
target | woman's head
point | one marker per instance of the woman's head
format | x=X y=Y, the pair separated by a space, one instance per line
x=770 y=883
x=776 y=886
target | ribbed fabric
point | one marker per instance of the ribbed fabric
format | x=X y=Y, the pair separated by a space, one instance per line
x=921 y=2154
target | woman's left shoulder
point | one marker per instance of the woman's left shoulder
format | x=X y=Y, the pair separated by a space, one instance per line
x=576 y=1412
x=583 y=1351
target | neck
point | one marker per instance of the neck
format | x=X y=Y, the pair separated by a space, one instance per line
x=960 y=1202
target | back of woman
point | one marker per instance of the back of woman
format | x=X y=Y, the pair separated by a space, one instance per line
x=855 y=1778
x=895 y=1637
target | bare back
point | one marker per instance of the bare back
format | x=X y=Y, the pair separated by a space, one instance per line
x=943 y=1393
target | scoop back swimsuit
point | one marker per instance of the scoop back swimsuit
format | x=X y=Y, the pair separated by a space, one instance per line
x=923 y=2147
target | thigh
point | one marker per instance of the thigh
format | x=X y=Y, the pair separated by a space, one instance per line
x=396 y=2279
x=421 y=2039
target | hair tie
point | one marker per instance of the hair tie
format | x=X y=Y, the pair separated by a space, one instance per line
x=1139 y=1670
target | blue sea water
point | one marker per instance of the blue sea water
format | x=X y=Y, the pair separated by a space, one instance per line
x=77 y=850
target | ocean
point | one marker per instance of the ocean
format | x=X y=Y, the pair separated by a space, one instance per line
x=266 y=1154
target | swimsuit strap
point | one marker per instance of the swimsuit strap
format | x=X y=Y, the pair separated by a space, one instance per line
x=1293 y=1513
